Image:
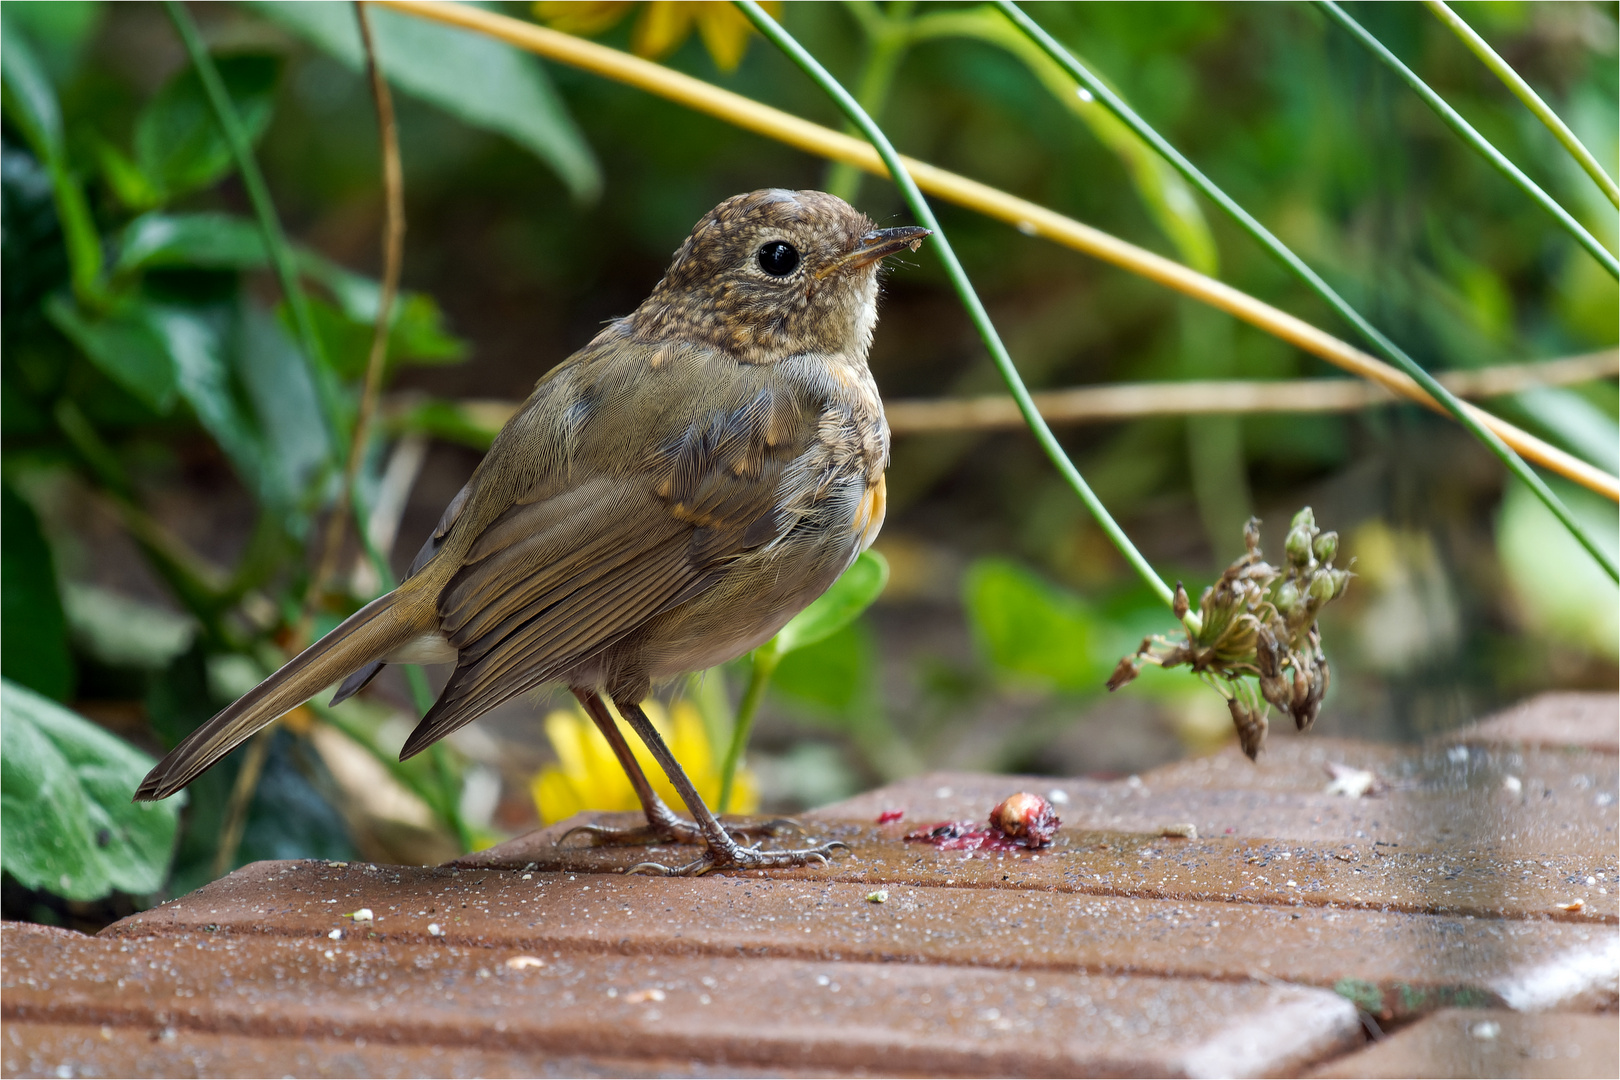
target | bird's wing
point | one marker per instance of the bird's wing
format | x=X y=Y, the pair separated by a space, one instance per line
x=661 y=486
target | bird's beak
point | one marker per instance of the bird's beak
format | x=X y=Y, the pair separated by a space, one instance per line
x=878 y=243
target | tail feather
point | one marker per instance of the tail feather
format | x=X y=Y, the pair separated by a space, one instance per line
x=367 y=635
x=357 y=682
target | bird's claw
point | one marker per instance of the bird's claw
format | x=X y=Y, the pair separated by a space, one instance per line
x=742 y=858
x=678 y=831
x=640 y=835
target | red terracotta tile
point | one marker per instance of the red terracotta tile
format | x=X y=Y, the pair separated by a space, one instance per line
x=753 y=1014
x=1480 y=1042
x=1391 y=964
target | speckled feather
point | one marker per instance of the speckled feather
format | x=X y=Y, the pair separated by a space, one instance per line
x=666 y=499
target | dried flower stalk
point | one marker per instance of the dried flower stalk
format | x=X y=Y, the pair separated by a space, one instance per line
x=1258 y=622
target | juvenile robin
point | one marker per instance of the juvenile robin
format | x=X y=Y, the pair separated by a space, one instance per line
x=665 y=501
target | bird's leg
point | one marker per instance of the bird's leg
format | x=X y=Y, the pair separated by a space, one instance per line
x=723 y=850
x=664 y=826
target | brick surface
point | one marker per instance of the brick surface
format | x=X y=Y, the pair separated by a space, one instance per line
x=908 y=1018
x=1457 y=1042
x=1478 y=870
x=1519 y=803
x=1392 y=964
x=95 y=1050
x=1558 y=720
x=1482 y=881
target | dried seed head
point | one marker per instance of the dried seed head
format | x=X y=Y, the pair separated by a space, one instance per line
x=1124 y=673
x=1251 y=726
x=1251 y=536
x=1258 y=621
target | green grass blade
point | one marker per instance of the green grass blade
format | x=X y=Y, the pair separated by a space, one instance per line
x=275 y=238
x=1532 y=100
x=1473 y=138
x=1317 y=285
x=970 y=299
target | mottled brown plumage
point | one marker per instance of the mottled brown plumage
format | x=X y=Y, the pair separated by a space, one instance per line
x=666 y=499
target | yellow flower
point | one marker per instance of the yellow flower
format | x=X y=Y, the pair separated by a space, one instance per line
x=663 y=24
x=587 y=776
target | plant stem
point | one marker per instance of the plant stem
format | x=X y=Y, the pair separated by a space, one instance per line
x=964 y=289
x=888 y=39
x=1532 y=101
x=1464 y=414
x=281 y=258
x=1228 y=397
x=1028 y=217
x=764 y=662
x=258 y=192
x=1473 y=138
x=240 y=801
x=393 y=251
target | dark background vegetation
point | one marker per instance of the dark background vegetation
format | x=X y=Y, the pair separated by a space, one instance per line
x=1448 y=619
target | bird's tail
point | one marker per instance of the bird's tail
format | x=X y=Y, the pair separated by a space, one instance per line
x=369 y=634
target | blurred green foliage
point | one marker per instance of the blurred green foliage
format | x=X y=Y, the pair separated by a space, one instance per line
x=166 y=452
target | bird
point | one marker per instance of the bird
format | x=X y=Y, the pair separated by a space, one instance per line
x=665 y=500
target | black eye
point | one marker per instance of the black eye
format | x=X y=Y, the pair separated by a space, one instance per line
x=778 y=258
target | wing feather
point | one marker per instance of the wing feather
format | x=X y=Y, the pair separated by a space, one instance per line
x=589 y=555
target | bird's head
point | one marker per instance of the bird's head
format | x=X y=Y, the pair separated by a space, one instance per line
x=772 y=274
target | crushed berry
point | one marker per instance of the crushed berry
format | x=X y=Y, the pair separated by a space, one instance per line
x=888 y=817
x=1021 y=821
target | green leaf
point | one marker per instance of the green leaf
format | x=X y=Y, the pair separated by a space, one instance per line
x=129 y=185
x=218 y=241
x=294 y=441
x=345 y=342
x=194 y=342
x=161 y=352
x=832 y=676
x=418 y=334
x=121 y=631
x=32 y=623
x=1577 y=423
x=60 y=32
x=66 y=819
x=178 y=143
x=479 y=80
x=124 y=346
x=1562 y=592
x=30 y=103
x=1032 y=629
x=839 y=606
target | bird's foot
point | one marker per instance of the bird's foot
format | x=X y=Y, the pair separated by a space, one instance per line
x=737 y=857
x=677 y=830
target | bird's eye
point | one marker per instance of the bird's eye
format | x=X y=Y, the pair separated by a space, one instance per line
x=778 y=258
